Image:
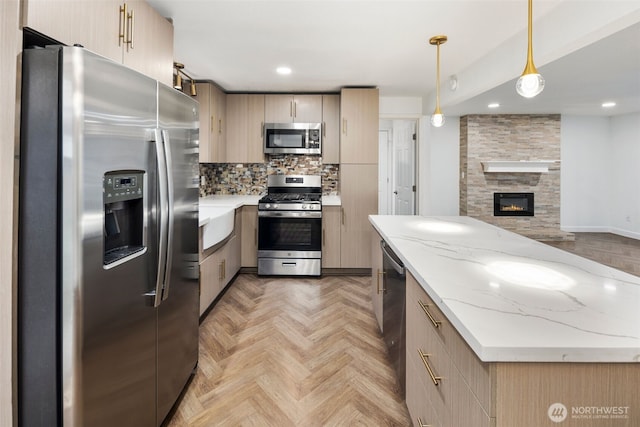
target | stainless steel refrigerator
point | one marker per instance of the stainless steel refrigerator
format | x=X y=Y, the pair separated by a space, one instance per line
x=108 y=246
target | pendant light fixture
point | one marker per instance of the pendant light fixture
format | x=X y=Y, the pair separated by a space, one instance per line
x=530 y=82
x=437 y=119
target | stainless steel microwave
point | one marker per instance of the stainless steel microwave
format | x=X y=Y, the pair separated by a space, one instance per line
x=293 y=138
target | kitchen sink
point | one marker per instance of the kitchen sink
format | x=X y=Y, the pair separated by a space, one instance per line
x=217 y=223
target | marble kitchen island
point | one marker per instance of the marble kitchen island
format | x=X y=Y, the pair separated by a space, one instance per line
x=516 y=327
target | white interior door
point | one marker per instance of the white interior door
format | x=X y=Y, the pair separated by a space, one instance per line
x=404 y=167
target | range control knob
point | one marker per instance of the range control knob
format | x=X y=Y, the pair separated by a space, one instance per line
x=268 y=206
x=305 y=206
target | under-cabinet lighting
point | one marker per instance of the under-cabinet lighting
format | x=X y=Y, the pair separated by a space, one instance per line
x=493 y=105
x=608 y=104
x=283 y=71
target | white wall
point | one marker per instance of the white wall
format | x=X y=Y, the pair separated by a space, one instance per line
x=584 y=173
x=600 y=189
x=438 y=167
x=438 y=152
x=624 y=215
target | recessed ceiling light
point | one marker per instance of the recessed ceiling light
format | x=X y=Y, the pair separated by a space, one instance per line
x=283 y=71
x=493 y=105
x=608 y=104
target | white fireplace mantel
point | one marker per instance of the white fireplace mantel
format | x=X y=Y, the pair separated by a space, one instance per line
x=517 y=166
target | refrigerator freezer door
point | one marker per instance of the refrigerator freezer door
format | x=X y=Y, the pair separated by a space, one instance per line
x=109 y=115
x=178 y=312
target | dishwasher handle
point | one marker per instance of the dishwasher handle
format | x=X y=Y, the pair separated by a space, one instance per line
x=391 y=257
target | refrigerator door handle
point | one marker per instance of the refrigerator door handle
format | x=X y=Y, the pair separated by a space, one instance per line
x=170 y=216
x=162 y=217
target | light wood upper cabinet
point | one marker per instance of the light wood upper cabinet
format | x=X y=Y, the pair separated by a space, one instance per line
x=212 y=102
x=359 y=125
x=245 y=120
x=331 y=129
x=146 y=44
x=293 y=108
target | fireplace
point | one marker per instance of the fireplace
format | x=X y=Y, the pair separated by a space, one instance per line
x=513 y=204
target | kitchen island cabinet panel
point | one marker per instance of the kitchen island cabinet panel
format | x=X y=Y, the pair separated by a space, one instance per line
x=518 y=355
x=245 y=120
x=377 y=278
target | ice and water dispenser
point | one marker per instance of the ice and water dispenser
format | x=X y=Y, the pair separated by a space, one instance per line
x=123 y=215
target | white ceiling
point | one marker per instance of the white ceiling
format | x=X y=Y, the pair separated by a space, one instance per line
x=587 y=50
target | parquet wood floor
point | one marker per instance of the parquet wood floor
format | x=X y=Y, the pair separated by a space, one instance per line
x=615 y=251
x=292 y=352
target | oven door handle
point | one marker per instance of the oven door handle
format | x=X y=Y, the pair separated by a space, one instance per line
x=289 y=214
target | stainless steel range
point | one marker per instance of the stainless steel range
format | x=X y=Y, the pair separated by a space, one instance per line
x=290 y=226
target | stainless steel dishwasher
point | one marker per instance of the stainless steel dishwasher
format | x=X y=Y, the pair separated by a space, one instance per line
x=393 y=311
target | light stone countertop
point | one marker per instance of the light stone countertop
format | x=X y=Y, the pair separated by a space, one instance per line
x=514 y=299
x=237 y=201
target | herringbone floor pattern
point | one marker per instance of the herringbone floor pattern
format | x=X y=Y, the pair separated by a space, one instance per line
x=292 y=352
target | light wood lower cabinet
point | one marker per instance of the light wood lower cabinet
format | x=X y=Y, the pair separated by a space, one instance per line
x=377 y=277
x=331 y=216
x=473 y=393
x=249 y=256
x=217 y=268
x=359 y=198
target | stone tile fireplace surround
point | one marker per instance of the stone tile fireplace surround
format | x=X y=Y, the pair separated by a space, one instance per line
x=486 y=138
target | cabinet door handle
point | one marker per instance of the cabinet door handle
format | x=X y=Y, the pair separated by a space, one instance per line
x=324 y=129
x=421 y=424
x=342 y=211
x=220 y=271
x=344 y=126
x=380 y=273
x=290 y=108
x=436 y=380
x=295 y=109
x=212 y=120
x=323 y=238
x=131 y=22
x=261 y=130
x=219 y=126
x=224 y=269
x=425 y=308
x=255 y=236
x=121 y=24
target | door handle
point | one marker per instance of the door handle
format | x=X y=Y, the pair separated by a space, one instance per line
x=170 y=213
x=162 y=218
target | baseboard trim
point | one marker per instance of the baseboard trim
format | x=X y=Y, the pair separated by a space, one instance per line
x=601 y=229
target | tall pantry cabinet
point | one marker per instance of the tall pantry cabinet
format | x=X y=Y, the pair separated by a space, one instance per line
x=359 y=111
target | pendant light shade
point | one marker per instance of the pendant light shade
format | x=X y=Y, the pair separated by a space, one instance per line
x=530 y=82
x=437 y=119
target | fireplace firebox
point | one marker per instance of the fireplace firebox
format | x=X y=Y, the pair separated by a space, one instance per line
x=513 y=204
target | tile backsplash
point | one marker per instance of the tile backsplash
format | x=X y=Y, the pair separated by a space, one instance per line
x=251 y=178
